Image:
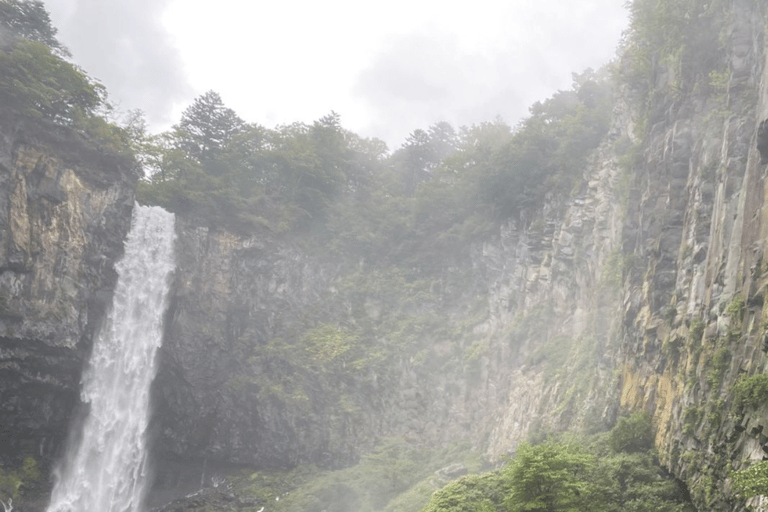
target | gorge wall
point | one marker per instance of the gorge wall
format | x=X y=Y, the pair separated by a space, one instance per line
x=643 y=290
x=64 y=209
x=693 y=312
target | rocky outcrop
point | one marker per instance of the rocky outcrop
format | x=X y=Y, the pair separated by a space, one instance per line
x=64 y=212
x=693 y=311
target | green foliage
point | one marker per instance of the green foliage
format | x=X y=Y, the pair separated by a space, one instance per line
x=682 y=33
x=612 y=272
x=715 y=416
x=548 y=477
x=632 y=482
x=552 y=352
x=223 y=172
x=535 y=323
x=37 y=83
x=560 y=476
x=696 y=330
x=736 y=305
x=472 y=493
x=671 y=346
x=675 y=39
x=721 y=360
x=28 y=19
x=750 y=392
x=10 y=483
x=13 y=483
x=436 y=195
x=691 y=417
x=329 y=344
x=206 y=127
x=547 y=152
x=632 y=434
x=752 y=481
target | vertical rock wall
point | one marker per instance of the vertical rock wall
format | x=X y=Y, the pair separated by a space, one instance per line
x=64 y=212
x=642 y=291
x=693 y=311
x=527 y=340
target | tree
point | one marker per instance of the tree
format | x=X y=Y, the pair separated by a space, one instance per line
x=331 y=150
x=206 y=127
x=147 y=148
x=632 y=434
x=28 y=19
x=442 y=142
x=472 y=493
x=752 y=481
x=38 y=83
x=550 y=477
x=416 y=155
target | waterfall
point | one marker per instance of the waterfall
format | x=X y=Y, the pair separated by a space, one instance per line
x=106 y=470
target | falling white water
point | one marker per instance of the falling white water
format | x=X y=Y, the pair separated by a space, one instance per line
x=106 y=471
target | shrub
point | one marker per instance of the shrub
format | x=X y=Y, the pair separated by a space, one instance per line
x=750 y=392
x=632 y=434
x=752 y=481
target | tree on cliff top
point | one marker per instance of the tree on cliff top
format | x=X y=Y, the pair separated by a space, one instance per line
x=37 y=83
x=206 y=127
x=29 y=20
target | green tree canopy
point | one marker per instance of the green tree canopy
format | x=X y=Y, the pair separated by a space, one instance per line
x=206 y=127
x=751 y=481
x=29 y=20
x=632 y=434
x=37 y=83
x=550 y=477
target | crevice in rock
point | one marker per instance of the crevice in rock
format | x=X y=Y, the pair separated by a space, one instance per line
x=762 y=142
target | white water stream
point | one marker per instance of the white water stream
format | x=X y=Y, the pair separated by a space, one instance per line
x=106 y=471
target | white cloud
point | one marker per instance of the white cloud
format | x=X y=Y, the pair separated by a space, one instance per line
x=386 y=67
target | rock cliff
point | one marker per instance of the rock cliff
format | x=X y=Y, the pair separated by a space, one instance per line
x=693 y=311
x=524 y=336
x=642 y=290
x=64 y=210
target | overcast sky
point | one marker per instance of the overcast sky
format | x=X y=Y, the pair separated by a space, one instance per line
x=386 y=67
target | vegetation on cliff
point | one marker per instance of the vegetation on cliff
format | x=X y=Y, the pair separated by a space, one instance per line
x=443 y=185
x=606 y=472
x=682 y=64
x=558 y=474
x=38 y=82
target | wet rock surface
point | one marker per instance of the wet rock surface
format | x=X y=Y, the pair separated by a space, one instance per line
x=64 y=210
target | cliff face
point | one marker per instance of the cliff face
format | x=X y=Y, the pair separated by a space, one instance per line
x=694 y=313
x=65 y=209
x=675 y=209
x=645 y=290
x=232 y=296
x=251 y=349
x=524 y=337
